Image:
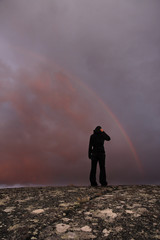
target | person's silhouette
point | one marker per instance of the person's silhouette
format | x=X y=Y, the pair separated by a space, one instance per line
x=96 y=153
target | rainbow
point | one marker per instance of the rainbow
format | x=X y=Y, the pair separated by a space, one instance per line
x=111 y=114
x=105 y=106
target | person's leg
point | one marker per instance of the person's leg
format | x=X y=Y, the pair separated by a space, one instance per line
x=102 y=176
x=93 y=171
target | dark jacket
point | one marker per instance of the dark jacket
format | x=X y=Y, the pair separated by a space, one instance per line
x=96 y=143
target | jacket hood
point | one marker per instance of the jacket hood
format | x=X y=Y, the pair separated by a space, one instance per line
x=97 y=130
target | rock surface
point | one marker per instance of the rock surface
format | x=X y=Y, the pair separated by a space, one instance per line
x=114 y=212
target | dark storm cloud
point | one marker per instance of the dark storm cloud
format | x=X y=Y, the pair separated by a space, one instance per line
x=112 y=45
x=45 y=127
x=39 y=124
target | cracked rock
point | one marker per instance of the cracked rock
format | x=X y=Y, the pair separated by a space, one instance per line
x=80 y=213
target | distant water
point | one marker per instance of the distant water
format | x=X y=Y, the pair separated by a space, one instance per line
x=64 y=184
x=20 y=185
x=37 y=185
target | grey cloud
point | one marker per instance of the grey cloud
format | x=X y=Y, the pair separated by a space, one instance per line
x=112 y=45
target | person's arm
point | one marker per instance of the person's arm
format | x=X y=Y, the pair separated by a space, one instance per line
x=105 y=135
x=90 y=148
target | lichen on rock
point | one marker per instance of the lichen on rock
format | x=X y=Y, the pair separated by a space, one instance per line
x=54 y=213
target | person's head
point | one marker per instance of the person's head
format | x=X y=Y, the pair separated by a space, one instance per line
x=98 y=129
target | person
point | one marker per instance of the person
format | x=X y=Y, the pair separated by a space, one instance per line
x=96 y=153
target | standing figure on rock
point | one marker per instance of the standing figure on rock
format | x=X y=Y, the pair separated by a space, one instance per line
x=96 y=153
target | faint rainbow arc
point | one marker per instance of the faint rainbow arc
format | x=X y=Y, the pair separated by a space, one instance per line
x=105 y=106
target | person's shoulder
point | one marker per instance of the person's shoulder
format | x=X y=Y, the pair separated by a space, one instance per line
x=92 y=136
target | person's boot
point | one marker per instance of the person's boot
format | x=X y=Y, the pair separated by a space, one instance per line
x=104 y=184
x=94 y=185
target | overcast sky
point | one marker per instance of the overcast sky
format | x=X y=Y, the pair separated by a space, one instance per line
x=67 y=66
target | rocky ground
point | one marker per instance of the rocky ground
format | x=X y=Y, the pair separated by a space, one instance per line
x=50 y=213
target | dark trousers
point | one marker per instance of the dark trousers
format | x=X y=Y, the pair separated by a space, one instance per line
x=99 y=157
